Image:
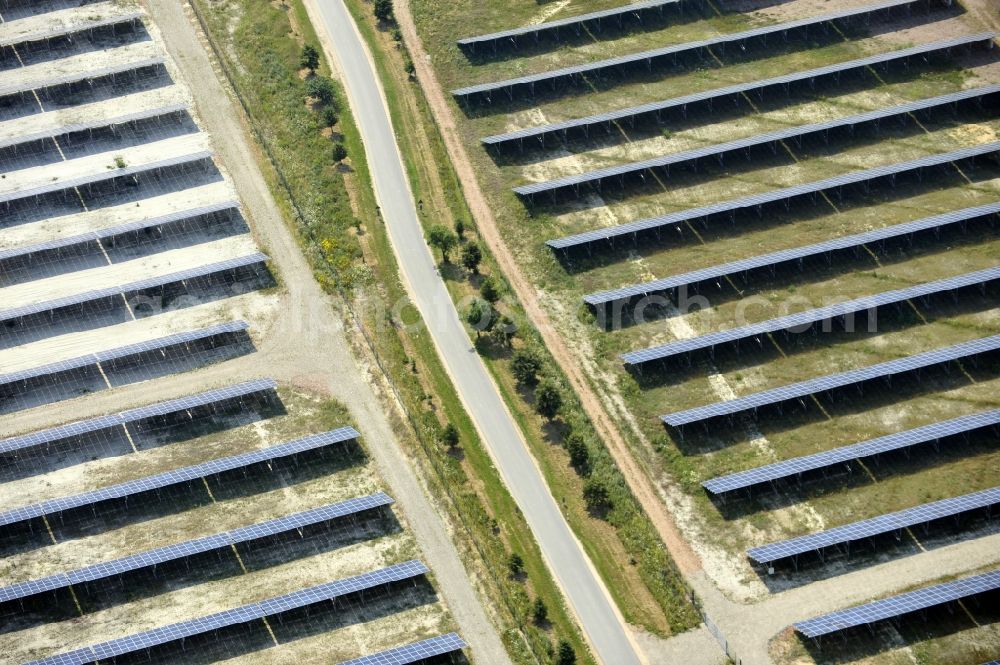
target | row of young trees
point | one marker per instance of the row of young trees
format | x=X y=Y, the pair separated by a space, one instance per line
x=320 y=89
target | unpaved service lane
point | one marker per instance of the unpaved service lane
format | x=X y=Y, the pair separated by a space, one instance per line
x=600 y=619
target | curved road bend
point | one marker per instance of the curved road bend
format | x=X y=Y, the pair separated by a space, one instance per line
x=601 y=622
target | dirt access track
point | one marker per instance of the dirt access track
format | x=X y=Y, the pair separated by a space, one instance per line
x=306 y=346
x=638 y=480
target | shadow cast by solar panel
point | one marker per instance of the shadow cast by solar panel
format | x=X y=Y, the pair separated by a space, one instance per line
x=528 y=46
x=174 y=359
x=17 y=9
x=638 y=73
x=812 y=270
x=910 y=629
x=598 y=82
x=104 y=516
x=92 y=40
x=126 y=246
x=759 y=350
x=147 y=434
x=219 y=564
x=874 y=394
x=843 y=477
x=659 y=125
x=718 y=227
x=76 y=145
x=112 y=310
x=879 y=550
x=66 y=96
x=287 y=627
x=114 y=191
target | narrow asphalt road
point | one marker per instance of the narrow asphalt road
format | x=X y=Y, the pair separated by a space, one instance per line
x=603 y=625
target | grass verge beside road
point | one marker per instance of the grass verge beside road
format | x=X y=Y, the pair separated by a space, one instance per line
x=648 y=590
x=336 y=218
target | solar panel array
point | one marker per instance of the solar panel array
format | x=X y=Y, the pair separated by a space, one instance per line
x=804 y=320
x=123 y=351
x=833 y=381
x=875 y=526
x=68 y=30
x=788 y=255
x=892 y=607
x=757 y=200
x=112 y=231
x=132 y=287
x=178 y=476
x=719 y=150
x=99 y=123
x=82 y=427
x=64 y=79
x=678 y=49
x=265 y=608
x=827 y=458
x=632 y=8
x=190 y=548
x=92 y=178
x=413 y=653
x=861 y=64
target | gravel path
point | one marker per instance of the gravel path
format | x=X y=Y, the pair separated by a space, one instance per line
x=306 y=345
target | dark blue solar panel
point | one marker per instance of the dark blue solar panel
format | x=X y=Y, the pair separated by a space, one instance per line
x=828 y=458
x=179 y=476
x=803 y=320
x=785 y=79
x=82 y=181
x=82 y=427
x=66 y=30
x=125 y=289
x=294 y=600
x=571 y=21
x=109 y=232
x=722 y=149
x=51 y=81
x=755 y=200
x=875 y=526
x=833 y=381
x=788 y=255
x=688 y=47
x=894 y=606
x=413 y=653
x=124 y=351
x=192 y=547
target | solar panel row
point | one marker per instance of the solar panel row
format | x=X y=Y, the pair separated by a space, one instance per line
x=413 y=653
x=963 y=425
x=574 y=21
x=875 y=526
x=793 y=391
x=123 y=351
x=112 y=231
x=680 y=49
x=178 y=476
x=757 y=201
x=70 y=30
x=774 y=259
x=894 y=606
x=719 y=151
x=266 y=608
x=99 y=123
x=66 y=79
x=83 y=427
x=804 y=321
x=190 y=548
x=102 y=176
x=860 y=65
x=133 y=287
